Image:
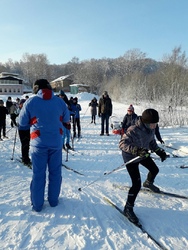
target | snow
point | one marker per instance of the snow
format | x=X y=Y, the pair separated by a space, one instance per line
x=83 y=220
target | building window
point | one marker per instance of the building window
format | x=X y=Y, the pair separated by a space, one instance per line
x=1 y=90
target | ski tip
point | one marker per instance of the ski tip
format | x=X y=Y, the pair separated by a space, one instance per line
x=79 y=189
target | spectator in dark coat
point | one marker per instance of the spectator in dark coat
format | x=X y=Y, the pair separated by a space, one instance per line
x=105 y=111
x=3 y=113
x=63 y=96
x=129 y=119
x=93 y=104
x=13 y=115
x=9 y=104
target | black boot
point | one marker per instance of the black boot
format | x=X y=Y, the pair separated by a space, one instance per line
x=149 y=184
x=68 y=146
x=129 y=213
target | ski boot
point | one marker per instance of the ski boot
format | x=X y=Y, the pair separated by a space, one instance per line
x=129 y=213
x=151 y=186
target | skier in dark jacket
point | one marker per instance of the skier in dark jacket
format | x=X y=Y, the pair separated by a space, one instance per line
x=75 y=109
x=138 y=139
x=93 y=104
x=105 y=111
x=64 y=97
x=9 y=103
x=3 y=113
x=129 y=119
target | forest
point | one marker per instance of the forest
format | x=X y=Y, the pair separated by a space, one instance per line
x=131 y=78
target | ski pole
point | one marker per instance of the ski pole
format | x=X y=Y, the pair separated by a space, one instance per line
x=136 y=159
x=85 y=112
x=67 y=154
x=14 y=144
x=176 y=149
x=8 y=130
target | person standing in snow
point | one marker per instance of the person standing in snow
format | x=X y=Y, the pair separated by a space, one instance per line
x=66 y=131
x=105 y=111
x=75 y=113
x=129 y=119
x=93 y=104
x=138 y=139
x=24 y=134
x=3 y=113
x=45 y=113
x=158 y=135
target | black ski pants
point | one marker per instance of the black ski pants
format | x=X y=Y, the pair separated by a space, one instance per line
x=25 y=141
x=3 y=127
x=105 y=121
x=134 y=173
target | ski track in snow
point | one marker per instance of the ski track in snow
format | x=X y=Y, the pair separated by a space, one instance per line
x=83 y=220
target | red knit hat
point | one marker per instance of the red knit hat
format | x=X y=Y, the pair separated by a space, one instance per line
x=130 y=108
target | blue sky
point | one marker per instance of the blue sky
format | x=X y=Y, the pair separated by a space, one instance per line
x=63 y=29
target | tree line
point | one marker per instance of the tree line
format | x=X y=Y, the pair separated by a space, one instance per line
x=129 y=78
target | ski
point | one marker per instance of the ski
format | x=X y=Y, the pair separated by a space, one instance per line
x=73 y=152
x=27 y=165
x=183 y=166
x=150 y=191
x=139 y=225
x=71 y=169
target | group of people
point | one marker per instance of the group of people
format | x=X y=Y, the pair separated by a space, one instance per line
x=104 y=111
x=45 y=118
x=74 y=109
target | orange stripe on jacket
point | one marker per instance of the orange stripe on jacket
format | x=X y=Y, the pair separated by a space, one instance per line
x=33 y=120
x=35 y=134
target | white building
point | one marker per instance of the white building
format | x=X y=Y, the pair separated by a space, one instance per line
x=10 y=84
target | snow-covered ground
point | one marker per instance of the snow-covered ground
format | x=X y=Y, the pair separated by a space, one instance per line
x=83 y=220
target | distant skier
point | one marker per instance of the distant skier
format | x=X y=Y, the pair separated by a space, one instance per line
x=75 y=109
x=93 y=104
x=138 y=139
x=3 y=113
x=129 y=119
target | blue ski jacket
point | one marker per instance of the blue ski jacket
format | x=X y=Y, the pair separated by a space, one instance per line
x=44 y=113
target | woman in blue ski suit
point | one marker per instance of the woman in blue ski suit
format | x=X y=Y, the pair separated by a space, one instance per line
x=75 y=112
x=45 y=113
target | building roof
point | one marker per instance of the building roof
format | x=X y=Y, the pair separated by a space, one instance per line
x=61 y=78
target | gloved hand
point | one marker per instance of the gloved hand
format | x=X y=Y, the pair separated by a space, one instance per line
x=143 y=152
x=140 y=152
x=162 y=142
x=67 y=125
x=161 y=153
